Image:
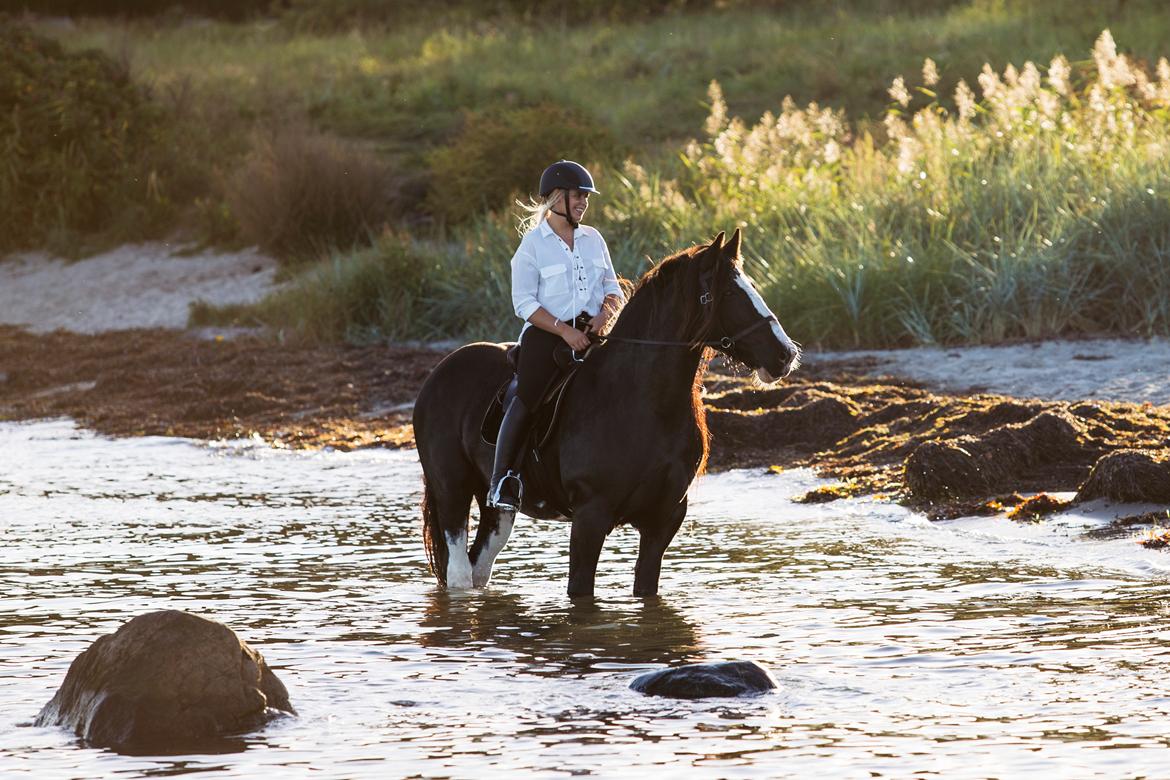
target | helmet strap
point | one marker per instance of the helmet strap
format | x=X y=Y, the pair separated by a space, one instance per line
x=565 y=203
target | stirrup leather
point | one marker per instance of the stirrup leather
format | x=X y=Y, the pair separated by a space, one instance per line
x=494 y=498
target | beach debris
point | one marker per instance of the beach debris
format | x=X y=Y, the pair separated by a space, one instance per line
x=1158 y=537
x=166 y=682
x=1034 y=508
x=827 y=493
x=701 y=681
x=818 y=419
x=984 y=464
x=1132 y=476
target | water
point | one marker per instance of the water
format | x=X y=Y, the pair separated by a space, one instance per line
x=977 y=648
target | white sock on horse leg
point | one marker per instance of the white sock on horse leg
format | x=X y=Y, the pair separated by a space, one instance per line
x=458 y=564
x=482 y=572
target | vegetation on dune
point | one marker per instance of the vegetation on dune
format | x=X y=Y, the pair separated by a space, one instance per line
x=969 y=203
x=70 y=130
x=1041 y=208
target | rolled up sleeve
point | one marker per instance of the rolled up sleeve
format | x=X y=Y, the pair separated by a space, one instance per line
x=525 y=284
x=610 y=285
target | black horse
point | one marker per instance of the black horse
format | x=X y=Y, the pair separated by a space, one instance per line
x=631 y=433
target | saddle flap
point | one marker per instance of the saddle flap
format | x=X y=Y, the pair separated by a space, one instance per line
x=544 y=415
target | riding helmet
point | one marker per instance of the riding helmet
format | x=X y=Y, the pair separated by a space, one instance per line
x=566 y=175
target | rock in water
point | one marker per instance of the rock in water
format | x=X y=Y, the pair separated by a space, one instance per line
x=165 y=682
x=700 y=681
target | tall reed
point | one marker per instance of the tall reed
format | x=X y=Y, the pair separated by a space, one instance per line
x=1038 y=207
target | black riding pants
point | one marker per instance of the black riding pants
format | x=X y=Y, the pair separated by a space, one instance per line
x=536 y=367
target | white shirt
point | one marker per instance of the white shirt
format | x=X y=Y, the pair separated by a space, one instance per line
x=547 y=273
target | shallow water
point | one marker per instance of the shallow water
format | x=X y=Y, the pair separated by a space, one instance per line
x=977 y=648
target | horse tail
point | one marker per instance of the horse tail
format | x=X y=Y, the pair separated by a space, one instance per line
x=436 y=547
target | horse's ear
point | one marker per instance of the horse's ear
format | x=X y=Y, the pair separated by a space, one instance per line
x=717 y=242
x=731 y=248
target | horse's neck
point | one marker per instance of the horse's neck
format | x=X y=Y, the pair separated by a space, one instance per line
x=665 y=368
x=646 y=316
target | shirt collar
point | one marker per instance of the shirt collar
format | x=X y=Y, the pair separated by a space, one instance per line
x=546 y=230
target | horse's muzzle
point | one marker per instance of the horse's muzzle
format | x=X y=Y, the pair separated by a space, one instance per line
x=791 y=363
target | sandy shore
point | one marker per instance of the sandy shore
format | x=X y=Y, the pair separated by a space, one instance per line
x=1122 y=370
x=134 y=286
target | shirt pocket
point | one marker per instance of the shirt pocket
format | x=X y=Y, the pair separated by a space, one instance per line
x=598 y=270
x=554 y=279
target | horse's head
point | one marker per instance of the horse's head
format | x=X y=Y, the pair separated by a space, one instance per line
x=744 y=327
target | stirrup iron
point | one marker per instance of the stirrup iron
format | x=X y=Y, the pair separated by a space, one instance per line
x=494 y=499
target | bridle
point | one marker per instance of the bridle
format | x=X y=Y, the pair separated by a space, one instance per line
x=706 y=298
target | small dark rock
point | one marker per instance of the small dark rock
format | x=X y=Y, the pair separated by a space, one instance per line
x=166 y=682
x=701 y=681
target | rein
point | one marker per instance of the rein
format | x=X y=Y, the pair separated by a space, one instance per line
x=726 y=342
x=706 y=299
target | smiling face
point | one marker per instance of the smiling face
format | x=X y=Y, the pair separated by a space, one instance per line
x=577 y=203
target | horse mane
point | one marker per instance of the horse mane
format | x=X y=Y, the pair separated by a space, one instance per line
x=672 y=289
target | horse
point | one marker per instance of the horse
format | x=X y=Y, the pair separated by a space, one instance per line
x=631 y=432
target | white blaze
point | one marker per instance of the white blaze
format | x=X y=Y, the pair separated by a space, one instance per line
x=761 y=307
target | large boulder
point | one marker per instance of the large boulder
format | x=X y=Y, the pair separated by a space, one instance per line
x=1132 y=476
x=700 y=681
x=993 y=461
x=166 y=682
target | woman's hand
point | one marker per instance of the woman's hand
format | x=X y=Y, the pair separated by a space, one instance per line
x=576 y=340
x=599 y=320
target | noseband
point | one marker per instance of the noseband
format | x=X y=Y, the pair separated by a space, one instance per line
x=706 y=298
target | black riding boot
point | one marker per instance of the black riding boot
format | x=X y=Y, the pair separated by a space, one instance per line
x=506 y=489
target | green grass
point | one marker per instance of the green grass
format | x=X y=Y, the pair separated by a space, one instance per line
x=645 y=80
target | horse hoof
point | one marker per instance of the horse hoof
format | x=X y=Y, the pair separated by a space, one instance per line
x=460 y=583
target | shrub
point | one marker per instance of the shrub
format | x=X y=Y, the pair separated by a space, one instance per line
x=72 y=135
x=301 y=193
x=396 y=289
x=499 y=154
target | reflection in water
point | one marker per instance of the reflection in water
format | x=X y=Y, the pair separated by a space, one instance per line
x=573 y=637
x=902 y=648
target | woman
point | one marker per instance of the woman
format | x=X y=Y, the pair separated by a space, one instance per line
x=563 y=287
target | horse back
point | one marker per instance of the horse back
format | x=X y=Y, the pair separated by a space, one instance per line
x=452 y=400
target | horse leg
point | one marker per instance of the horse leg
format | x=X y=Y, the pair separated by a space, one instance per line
x=591 y=524
x=495 y=526
x=653 y=541
x=445 y=510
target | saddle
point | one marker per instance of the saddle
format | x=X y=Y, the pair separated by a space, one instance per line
x=546 y=412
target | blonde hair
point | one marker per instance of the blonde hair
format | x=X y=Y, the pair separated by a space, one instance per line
x=536 y=210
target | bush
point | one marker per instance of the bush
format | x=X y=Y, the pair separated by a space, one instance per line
x=499 y=154
x=72 y=133
x=300 y=194
x=396 y=289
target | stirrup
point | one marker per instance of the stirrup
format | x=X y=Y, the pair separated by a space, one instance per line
x=494 y=498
